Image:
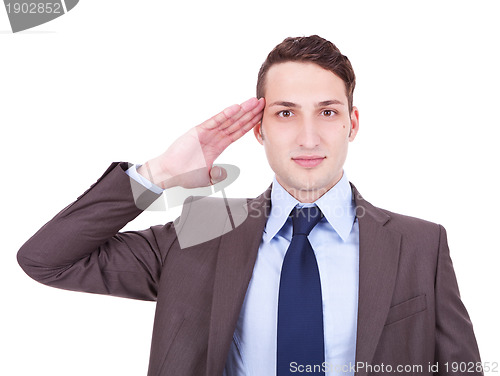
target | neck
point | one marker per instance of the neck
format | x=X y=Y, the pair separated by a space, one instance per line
x=308 y=195
x=305 y=195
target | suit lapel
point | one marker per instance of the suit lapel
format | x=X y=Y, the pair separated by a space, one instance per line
x=378 y=262
x=236 y=258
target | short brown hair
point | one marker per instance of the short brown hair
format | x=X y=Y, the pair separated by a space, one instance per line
x=313 y=49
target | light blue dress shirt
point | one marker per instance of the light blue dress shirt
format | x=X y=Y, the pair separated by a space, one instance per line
x=132 y=172
x=335 y=240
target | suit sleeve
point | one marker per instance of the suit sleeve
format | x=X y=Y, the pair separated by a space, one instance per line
x=81 y=248
x=457 y=352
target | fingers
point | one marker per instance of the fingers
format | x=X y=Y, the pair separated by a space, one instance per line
x=249 y=104
x=232 y=114
x=246 y=127
x=219 y=119
x=247 y=121
x=249 y=109
x=217 y=174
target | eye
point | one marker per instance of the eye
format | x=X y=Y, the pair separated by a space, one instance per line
x=328 y=113
x=284 y=113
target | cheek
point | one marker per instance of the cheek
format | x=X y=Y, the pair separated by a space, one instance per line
x=277 y=143
x=276 y=132
x=274 y=144
x=337 y=132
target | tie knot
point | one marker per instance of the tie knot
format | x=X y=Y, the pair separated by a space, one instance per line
x=304 y=219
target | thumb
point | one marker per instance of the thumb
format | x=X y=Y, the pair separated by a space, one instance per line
x=217 y=174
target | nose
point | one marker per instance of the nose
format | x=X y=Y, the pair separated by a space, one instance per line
x=308 y=134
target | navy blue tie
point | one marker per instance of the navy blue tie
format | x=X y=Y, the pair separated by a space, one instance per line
x=300 y=311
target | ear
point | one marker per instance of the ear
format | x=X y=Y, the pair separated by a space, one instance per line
x=354 y=123
x=257 y=131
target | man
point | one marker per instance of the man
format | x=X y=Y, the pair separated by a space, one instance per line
x=307 y=278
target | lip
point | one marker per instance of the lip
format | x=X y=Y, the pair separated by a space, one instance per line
x=308 y=161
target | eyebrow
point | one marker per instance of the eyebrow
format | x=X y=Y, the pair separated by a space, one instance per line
x=295 y=105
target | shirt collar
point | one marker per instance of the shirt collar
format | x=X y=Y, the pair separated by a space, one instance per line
x=336 y=205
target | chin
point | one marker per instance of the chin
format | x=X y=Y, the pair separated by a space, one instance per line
x=309 y=185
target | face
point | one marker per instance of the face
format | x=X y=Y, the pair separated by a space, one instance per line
x=306 y=128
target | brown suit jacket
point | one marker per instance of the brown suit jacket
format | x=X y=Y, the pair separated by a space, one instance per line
x=409 y=311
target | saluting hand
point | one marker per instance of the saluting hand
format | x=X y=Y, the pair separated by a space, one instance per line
x=188 y=162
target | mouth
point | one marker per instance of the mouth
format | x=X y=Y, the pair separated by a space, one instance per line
x=309 y=161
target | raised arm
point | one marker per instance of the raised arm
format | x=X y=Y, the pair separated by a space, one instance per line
x=188 y=162
x=82 y=249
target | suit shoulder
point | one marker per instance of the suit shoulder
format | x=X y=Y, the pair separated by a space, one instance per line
x=412 y=226
x=408 y=219
x=397 y=221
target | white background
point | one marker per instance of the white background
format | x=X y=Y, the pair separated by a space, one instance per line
x=119 y=80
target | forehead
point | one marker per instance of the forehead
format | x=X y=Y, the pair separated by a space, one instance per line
x=298 y=80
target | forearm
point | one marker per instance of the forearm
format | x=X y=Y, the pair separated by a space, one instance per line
x=80 y=229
